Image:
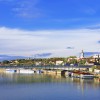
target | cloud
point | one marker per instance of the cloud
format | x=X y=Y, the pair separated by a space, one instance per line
x=15 y=40
x=24 y=8
x=70 y=47
x=42 y=55
x=19 y=42
x=27 y=9
x=99 y=41
x=93 y=27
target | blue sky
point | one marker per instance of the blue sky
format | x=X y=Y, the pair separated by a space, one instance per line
x=49 y=14
x=56 y=27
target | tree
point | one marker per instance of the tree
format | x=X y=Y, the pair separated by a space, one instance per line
x=82 y=62
x=5 y=62
x=93 y=67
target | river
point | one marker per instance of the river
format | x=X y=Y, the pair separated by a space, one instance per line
x=47 y=87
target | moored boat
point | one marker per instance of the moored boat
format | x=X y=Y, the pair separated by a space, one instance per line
x=86 y=76
x=26 y=71
x=80 y=74
x=10 y=71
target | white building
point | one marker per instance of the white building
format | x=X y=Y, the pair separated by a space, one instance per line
x=82 y=54
x=37 y=63
x=96 y=56
x=59 y=62
x=97 y=71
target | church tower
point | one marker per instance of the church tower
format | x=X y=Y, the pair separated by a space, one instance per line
x=82 y=54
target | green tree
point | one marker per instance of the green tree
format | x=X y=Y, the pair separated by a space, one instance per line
x=5 y=62
x=82 y=62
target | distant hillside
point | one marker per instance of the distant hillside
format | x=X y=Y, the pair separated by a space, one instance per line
x=41 y=55
x=7 y=57
x=89 y=54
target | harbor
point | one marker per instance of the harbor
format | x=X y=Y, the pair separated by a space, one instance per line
x=75 y=72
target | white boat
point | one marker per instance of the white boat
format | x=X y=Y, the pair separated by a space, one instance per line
x=38 y=71
x=10 y=71
x=26 y=71
x=86 y=76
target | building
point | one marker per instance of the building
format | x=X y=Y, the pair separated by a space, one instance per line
x=59 y=62
x=96 y=56
x=82 y=54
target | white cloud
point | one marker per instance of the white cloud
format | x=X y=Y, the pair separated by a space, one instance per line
x=27 y=9
x=24 y=8
x=28 y=43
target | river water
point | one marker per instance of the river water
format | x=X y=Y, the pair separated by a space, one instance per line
x=47 y=87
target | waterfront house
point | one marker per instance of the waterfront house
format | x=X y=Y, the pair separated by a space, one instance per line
x=59 y=62
x=38 y=63
x=89 y=63
x=97 y=71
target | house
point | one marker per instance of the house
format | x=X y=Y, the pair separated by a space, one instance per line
x=89 y=63
x=97 y=71
x=38 y=63
x=59 y=62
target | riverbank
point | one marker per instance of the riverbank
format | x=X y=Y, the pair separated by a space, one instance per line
x=2 y=70
x=38 y=71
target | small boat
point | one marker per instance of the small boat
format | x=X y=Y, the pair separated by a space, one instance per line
x=80 y=74
x=10 y=70
x=26 y=71
x=86 y=76
x=38 y=71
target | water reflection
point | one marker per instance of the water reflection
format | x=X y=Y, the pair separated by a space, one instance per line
x=45 y=78
x=47 y=87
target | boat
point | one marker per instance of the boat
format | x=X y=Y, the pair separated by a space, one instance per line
x=10 y=71
x=80 y=74
x=38 y=71
x=26 y=71
x=86 y=76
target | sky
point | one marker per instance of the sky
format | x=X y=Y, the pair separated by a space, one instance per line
x=49 y=28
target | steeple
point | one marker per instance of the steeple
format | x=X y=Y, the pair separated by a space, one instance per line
x=82 y=54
